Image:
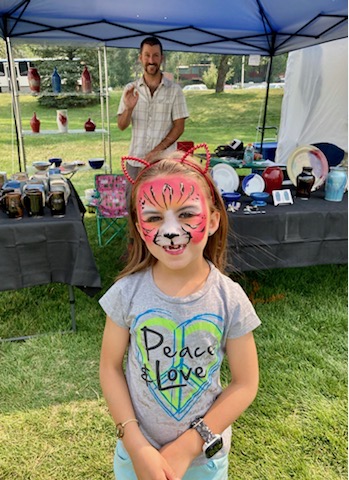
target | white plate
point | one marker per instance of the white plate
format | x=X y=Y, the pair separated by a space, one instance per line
x=253 y=183
x=308 y=156
x=225 y=177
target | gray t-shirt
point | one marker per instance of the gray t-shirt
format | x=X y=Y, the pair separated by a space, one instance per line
x=176 y=348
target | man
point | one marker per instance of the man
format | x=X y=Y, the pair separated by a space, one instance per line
x=154 y=105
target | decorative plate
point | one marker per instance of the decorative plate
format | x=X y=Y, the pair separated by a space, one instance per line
x=253 y=183
x=225 y=177
x=308 y=156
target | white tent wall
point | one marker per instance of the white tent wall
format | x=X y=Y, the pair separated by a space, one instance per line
x=315 y=103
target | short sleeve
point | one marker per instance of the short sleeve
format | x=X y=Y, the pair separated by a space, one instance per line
x=180 y=109
x=243 y=317
x=112 y=303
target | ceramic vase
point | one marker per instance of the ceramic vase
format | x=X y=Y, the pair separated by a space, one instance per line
x=34 y=80
x=273 y=178
x=336 y=182
x=90 y=126
x=86 y=82
x=62 y=120
x=56 y=81
x=35 y=124
x=305 y=182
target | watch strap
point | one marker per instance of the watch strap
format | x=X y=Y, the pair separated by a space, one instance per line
x=202 y=429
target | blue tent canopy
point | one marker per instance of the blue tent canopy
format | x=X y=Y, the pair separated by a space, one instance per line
x=239 y=27
x=265 y=27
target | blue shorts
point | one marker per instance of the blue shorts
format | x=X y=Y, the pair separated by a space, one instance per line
x=212 y=470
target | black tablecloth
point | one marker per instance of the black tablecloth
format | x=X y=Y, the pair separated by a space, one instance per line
x=309 y=232
x=38 y=251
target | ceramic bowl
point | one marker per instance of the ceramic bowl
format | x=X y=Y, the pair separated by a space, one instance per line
x=230 y=197
x=259 y=198
x=96 y=163
x=68 y=167
x=56 y=161
x=41 y=165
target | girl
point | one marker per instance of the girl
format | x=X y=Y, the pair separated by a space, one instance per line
x=176 y=314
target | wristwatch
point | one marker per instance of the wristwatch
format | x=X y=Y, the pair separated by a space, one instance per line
x=213 y=442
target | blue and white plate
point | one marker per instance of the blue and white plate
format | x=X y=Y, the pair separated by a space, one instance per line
x=253 y=183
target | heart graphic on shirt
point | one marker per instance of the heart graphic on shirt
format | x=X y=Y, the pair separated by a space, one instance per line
x=177 y=361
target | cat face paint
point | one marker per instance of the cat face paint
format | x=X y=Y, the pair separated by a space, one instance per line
x=172 y=212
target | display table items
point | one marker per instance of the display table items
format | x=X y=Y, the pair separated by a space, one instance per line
x=48 y=249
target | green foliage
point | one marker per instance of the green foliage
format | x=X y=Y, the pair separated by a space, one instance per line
x=70 y=63
x=122 y=66
x=210 y=76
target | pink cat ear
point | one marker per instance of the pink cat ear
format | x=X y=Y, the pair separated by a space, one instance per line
x=196 y=147
x=135 y=159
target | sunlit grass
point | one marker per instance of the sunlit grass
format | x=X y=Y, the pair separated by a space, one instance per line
x=54 y=423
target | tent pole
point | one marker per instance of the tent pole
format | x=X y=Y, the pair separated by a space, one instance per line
x=107 y=104
x=15 y=106
x=101 y=98
x=266 y=99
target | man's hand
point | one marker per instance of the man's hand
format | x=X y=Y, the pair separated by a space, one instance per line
x=131 y=98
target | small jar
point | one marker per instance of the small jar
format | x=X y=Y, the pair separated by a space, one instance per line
x=305 y=182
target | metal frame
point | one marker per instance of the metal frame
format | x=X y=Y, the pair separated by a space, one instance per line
x=104 y=103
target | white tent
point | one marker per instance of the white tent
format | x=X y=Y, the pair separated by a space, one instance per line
x=315 y=103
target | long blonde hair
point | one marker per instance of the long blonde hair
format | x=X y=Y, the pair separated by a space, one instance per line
x=215 y=250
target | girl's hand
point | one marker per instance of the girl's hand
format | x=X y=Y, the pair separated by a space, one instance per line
x=149 y=464
x=181 y=452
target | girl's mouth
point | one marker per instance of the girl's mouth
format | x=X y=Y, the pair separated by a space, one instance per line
x=174 y=249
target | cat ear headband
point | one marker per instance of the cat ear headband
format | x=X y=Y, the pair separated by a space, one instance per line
x=184 y=159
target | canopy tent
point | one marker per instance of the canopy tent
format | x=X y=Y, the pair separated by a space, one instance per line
x=315 y=103
x=264 y=27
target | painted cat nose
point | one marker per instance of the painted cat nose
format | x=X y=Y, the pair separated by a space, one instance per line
x=170 y=236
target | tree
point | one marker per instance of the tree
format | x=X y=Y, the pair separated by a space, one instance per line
x=223 y=69
x=122 y=66
x=210 y=76
x=69 y=62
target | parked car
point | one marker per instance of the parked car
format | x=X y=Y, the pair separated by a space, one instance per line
x=199 y=86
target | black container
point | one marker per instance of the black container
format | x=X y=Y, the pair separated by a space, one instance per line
x=305 y=182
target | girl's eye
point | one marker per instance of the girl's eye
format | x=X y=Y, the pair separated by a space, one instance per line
x=187 y=215
x=153 y=219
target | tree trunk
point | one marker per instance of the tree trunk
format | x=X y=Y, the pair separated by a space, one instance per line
x=223 y=69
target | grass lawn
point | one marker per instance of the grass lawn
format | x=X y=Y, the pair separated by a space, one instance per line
x=54 y=424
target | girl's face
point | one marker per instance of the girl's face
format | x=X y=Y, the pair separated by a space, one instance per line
x=174 y=218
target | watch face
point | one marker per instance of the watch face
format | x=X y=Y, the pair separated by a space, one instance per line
x=214 y=447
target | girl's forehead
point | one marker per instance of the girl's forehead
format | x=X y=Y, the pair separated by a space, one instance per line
x=167 y=190
x=178 y=183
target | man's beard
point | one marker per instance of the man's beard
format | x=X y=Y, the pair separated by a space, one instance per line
x=154 y=70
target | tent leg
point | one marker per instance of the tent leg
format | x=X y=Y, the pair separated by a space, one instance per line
x=15 y=105
x=72 y=307
x=266 y=99
x=107 y=105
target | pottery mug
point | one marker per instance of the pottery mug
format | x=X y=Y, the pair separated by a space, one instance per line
x=12 y=203
x=33 y=203
x=56 y=203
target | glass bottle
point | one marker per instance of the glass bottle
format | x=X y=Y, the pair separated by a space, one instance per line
x=249 y=153
x=56 y=81
x=305 y=182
